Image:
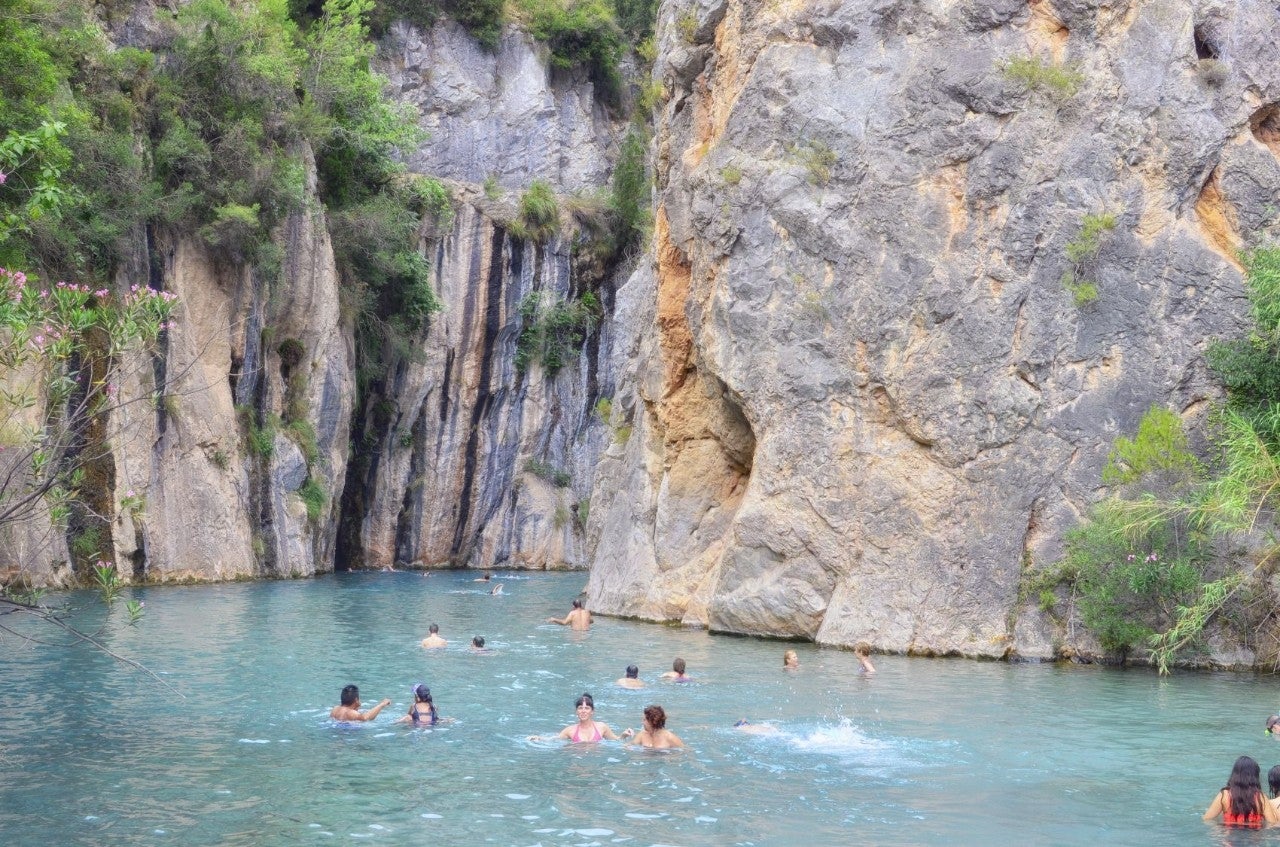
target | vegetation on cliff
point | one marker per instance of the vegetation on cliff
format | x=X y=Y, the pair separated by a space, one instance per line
x=1179 y=545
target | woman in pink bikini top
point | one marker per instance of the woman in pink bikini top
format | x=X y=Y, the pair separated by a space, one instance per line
x=587 y=730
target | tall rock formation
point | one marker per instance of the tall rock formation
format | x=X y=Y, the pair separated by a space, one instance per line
x=863 y=400
x=475 y=460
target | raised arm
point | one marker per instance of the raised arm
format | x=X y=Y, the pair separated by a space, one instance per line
x=372 y=713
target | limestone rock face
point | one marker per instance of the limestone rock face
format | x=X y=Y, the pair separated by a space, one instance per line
x=218 y=502
x=862 y=400
x=497 y=114
x=480 y=462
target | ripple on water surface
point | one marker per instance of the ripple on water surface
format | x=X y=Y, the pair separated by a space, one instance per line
x=920 y=753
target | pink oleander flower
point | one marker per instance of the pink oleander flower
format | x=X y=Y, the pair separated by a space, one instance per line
x=101 y=292
x=3 y=177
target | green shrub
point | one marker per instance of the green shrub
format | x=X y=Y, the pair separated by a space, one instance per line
x=1082 y=252
x=630 y=195
x=539 y=215
x=548 y=473
x=580 y=33
x=554 y=330
x=88 y=543
x=313 y=497
x=817 y=158
x=1058 y=82
x=636 y=18
x=687 y=25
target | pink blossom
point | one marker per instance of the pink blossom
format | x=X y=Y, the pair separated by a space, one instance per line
x=3 y=177
x=101 y=292
x=39 y=340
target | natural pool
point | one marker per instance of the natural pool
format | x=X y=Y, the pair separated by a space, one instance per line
x=923 y=752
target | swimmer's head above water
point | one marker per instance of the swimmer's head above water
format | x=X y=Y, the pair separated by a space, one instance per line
x=585 y=700
x=350 y=695
x=1272 y=723
x=633 y=672
x=421 y=693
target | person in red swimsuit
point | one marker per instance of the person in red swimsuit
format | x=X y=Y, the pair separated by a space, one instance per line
x=1241 y=802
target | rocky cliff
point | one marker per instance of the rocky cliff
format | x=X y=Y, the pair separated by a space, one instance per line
x=245 y=448
x=865 y=391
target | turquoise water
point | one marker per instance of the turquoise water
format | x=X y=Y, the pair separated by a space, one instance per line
x=924 y=752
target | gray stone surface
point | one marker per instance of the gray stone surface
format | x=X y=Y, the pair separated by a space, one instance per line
x=865 y=229
x=498 y=114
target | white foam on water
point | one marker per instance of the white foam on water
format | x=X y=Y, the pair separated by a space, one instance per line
x=376 y=826
x=429 y=816
x=593 y=833
x=643 y=817
x=255 y=740
x=517 y=796
x=841 y=739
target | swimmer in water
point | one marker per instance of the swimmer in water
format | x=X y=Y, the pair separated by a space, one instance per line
x=677 y=674
x=1273 y=726
x=1241 y=802
x=433 y=639
x=632 y=678
x=655 y=734
x=587 y=730
x=578 y=619
x=862 y=652
x=497 y=589
x=423 y=711
x=487 y=576
x=744 y=725
x=477 y=645
x=1273 y=782
x=790 y=661
x=349 y=710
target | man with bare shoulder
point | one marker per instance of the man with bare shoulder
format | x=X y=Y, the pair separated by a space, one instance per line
x=350 y=708
x=433 y=638
x=677 y=674
x=578 y=619
x=632 y=679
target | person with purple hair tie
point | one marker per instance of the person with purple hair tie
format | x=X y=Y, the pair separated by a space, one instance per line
x=423 y=711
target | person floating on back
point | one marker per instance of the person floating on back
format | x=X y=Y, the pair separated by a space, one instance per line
x=578 y=618
x=350 y=708
x=632 y=678
x=433 y=638
x=1241 y=802
x=677 y=673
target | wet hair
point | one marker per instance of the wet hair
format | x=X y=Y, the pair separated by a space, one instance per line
x=1271 y=723
x=478 y=641
x=1244 y=787
x=577 y=604
x=434 y=628
x=862 y=648
x=585 y=699
x=656 y=716
x=789 y=654
x=350 y=695
x=1273 y=781
x=633 y=672
x=678 y=665
x=422 y=694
